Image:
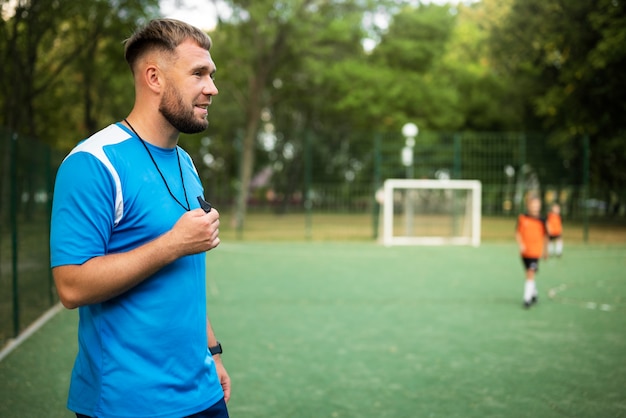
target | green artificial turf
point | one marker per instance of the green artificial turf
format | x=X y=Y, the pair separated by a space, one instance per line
x=360 y=330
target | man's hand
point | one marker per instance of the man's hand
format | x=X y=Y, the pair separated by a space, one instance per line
x=196 y=232
x=223 y=376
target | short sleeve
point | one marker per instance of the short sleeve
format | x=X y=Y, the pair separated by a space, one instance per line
x=83 y=210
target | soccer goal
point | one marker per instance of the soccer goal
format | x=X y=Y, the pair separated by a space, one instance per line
x=431 y=212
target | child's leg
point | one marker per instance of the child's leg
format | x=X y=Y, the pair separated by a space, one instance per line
x=551 y=247
x=535 y=295
x=559 y=247
x=530 y=291
x=531 y=265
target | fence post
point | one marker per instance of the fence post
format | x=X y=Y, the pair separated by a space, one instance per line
x=308 y=168
x=49 y=191
x=13 y=222
x=519 y=201
x=239 y=203
x=586 y=152
x=377 y=185
x=456 y=174
x=456 y=170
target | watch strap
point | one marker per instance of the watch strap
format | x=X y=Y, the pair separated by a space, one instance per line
x=216 y=349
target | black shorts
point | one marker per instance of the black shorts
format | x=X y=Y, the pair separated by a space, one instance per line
x=531 y=263
x=554 y=237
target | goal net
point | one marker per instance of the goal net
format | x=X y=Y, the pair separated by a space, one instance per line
x=431 y=212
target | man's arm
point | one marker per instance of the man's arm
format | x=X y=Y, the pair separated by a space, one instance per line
x=221 y=370
x=104 y=277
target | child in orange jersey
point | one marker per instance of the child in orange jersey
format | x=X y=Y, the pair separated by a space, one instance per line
x=531 y=235
x=555 y=230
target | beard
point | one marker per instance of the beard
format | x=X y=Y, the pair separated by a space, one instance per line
x=181 y=118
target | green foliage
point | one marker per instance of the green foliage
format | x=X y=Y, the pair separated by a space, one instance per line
x=416 y=38
x=485 y=97
x=567 y=60
x=67 y=76
x=495 y=65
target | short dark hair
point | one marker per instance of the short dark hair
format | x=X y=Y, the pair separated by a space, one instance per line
x=164 y=35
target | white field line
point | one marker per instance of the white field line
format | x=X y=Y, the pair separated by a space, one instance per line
x=32 y=328
x=552 y=294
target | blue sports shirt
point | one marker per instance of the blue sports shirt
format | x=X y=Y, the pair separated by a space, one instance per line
x=143 y=353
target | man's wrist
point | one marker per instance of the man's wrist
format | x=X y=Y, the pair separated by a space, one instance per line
x=216 y=349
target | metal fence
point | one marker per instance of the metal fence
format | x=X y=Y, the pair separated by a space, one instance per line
x=26 y=179
x=508 y=165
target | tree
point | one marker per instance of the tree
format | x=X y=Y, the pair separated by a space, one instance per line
x=70 y=53
x=485 y=94
x=269 y=45
x=567 y=59
x=304 y=67
x=60 y=58
x=24 y=35
x=96 y=85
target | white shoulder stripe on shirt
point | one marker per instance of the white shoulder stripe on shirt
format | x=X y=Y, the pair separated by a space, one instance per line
x=94 y=145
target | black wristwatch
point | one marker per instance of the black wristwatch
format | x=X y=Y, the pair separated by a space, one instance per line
x=216 y=349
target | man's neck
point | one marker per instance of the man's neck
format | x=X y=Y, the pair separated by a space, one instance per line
x=156 y=131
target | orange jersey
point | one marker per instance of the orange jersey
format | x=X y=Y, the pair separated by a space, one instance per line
x=533 y=234
x=555 y=226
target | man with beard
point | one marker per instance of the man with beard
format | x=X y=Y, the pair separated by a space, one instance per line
x=128 y=242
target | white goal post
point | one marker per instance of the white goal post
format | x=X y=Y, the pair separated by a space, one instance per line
x=431 y=212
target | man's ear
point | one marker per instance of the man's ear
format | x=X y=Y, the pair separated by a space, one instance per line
x=153 y=78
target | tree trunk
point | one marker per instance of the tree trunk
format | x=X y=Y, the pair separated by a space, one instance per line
x=247 y=153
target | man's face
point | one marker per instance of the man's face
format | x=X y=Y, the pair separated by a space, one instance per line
x=189 y=89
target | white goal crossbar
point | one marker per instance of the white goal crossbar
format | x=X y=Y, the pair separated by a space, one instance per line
x=471 y=231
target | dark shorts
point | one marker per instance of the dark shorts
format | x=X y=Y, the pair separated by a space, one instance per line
x=554 y=237
x=531 y=263
x=216 y=411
